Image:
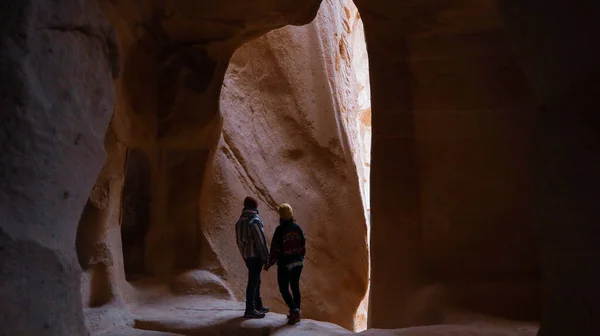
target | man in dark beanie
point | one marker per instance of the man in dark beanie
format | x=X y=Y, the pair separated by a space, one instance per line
x=252 y=243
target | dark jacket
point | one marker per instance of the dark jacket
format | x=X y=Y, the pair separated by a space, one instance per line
x=288 y=244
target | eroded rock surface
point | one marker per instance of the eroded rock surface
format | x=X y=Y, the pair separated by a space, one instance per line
x=200 y=283
x=56 y=66
x=63 y=75
x=160 y=149
x=284 y=101
x=171 y=139
x=453 y=125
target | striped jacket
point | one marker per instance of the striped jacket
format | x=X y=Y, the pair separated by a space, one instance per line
x=250 y=236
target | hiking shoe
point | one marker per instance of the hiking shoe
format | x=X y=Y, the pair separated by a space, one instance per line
x=295 y=317
x=253 y=314
x=263 y=310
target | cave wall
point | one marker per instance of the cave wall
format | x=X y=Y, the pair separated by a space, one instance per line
x=64 y=73
x=453 y=121
x=174 y=57
x=536 y=170
x=57 y=62
x=553 y=40
x=285 y=99
x=166 y=111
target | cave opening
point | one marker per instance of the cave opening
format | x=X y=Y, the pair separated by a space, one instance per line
x=135 y=212
x=297 y=128
x=296 y=105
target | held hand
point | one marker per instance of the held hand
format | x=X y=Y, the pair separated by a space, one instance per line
x=267 y=266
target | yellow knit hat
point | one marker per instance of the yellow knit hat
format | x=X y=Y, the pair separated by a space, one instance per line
x=285 y=211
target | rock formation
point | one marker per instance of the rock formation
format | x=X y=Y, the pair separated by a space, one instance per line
x=157 y=167
x=57 y=63
x=554 y=49
x=64 y=73
x=286 y=101
x=464 y=162
x=450 y=139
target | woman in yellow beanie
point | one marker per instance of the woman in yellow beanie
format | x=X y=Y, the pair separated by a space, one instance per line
x=288 y=248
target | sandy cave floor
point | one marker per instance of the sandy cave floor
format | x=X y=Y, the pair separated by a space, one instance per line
x=210 y=315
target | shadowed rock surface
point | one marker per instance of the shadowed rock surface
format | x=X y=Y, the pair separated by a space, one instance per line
x=485 y=135
x=452 y=135
x=206 y=315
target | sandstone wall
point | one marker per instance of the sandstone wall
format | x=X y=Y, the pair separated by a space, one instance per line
x=453 y=125
x=56 y=61
x=554 y=47
x=145 y=217
x=56 y=64
x=287 y=100
x=63 y=74
x=174 y=56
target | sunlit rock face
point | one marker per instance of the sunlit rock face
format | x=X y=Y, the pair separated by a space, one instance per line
x=171 y=191
x=290 y=104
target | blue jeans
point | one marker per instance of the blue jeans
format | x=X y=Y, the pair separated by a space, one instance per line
x=253 y=299
x=286 y=279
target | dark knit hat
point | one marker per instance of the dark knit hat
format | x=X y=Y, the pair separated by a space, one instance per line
x=250 y=203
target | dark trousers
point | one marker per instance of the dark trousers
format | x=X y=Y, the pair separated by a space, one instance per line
x=286 y=279
x=253 y=299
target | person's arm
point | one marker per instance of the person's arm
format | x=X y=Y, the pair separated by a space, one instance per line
x=259 y=238
x=303 y=242
x=239 y=236
x=275 y=249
